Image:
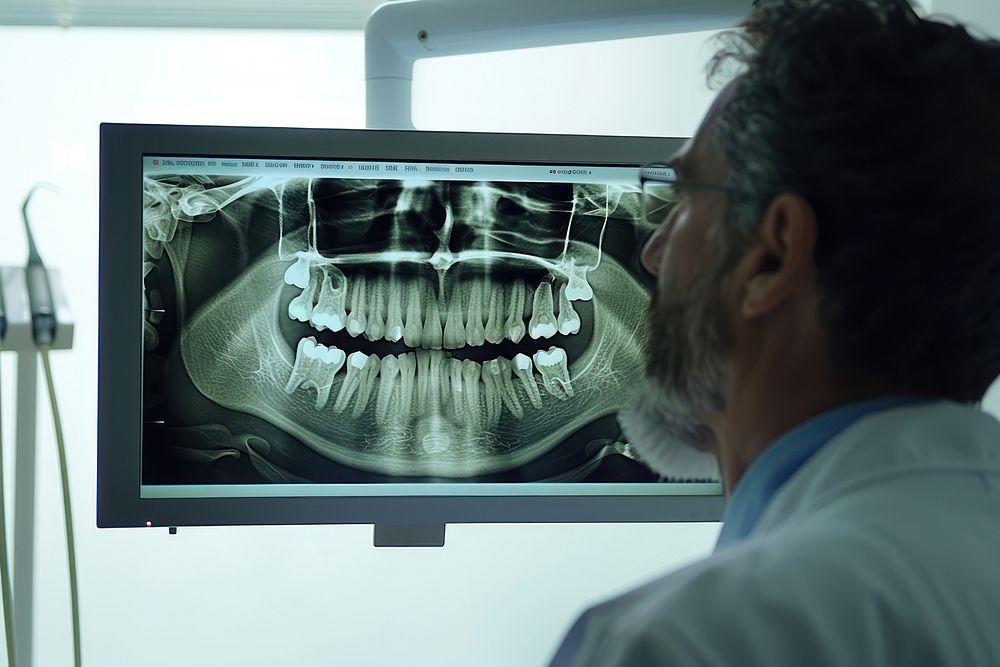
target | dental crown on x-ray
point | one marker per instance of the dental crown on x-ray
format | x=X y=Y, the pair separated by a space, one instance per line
x=478 y=377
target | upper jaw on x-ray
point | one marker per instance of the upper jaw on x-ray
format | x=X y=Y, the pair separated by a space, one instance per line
x=410 y=329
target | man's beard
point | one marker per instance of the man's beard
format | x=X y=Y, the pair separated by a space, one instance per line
x=686 y=378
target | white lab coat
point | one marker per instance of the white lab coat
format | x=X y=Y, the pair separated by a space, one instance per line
x=883 y=549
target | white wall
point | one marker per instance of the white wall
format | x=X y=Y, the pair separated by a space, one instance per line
x=984 y=15
x=302 y=596
x=648 y=86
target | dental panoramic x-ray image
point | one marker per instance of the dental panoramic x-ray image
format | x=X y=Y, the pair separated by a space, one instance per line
x=335 y=330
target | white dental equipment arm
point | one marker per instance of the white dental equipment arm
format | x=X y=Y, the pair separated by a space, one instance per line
x=401 y=32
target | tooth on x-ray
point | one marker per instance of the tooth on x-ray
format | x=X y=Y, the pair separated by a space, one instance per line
x=301 y=307
x=360 y=380
x=515 y=323
x=453 y=336
x=494 y=330
x=543 y=318
x=394 y=315
x=298 y=273
x=475 y=332
x=414 y=327
x=329 y=312
x=568 y=320
x=357 y=318
x=431 y=335
x=552 y=364
x=315 y=367
x=376 y=308
x=522 y=368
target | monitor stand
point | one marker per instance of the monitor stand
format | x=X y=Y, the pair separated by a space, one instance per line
x=409 y=535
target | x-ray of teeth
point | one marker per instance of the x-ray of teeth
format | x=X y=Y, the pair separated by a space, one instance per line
x=337 y=330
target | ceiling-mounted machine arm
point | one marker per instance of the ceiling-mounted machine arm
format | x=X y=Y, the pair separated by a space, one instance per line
x=398 y=33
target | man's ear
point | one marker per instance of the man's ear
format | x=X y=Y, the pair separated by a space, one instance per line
x=780 y=262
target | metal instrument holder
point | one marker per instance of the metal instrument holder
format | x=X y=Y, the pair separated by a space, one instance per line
x=19 y=340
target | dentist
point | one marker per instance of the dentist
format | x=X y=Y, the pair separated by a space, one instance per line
x=825 y=321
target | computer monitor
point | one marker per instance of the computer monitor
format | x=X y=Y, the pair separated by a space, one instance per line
x=304 y=326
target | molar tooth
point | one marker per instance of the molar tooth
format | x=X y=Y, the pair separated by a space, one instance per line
x=388 y=375
x=569 y=320
x=329 y=312
x=407 y=371
x=432 y=324
x=303 y=355
x=522 y=368
x=366 y=384
x=491 y=392
x=315 y=367
x=394 y=317
x=555 y=372
x=578 y=288
x=543 y=320
x=356 y=320
x=501 y=370
x=298 y=273
x=301 y=307
x=471 y=372
x=376 y=323
x=494 y=318
x=413 y=331
x=514 y=326
x=356 y=362
x=474 y=315
x=454 y=329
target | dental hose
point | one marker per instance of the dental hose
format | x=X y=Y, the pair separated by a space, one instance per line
x=43 y=328
x=8 y=608
x=67 y=506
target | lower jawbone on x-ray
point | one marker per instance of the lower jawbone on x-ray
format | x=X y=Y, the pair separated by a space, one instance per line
x=378 y=331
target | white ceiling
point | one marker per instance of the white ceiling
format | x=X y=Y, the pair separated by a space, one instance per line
x=307 y=14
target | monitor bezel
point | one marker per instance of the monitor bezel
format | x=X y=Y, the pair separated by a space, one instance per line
x=120 y=350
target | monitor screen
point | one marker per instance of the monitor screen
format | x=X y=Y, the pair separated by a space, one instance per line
x=373 y=326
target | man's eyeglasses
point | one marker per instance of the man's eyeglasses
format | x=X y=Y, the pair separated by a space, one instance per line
x=660 y=189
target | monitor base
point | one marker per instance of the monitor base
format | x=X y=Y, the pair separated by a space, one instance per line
x=409 y=535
